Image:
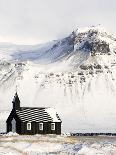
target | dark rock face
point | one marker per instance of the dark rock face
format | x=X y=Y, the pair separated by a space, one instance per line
x=87 y=47
x=100 y=47
x=90 y=42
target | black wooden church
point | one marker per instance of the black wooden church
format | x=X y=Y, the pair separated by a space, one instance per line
x=33 y=120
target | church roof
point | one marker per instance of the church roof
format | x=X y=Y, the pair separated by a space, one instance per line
x=42 y=114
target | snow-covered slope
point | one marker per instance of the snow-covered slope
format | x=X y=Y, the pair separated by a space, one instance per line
x=76 y=75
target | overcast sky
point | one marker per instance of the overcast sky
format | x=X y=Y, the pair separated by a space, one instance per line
x=36 y=21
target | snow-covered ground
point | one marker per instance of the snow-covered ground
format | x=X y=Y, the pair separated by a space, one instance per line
x=13 y=144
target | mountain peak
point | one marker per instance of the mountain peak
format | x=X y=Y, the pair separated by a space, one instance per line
x=76 y=73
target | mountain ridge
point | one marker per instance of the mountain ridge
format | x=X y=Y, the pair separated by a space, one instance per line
x=76 y=75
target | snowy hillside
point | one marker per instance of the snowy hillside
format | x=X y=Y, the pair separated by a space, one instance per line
x=76 y=75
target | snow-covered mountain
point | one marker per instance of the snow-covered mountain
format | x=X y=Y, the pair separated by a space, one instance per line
x=76 y=75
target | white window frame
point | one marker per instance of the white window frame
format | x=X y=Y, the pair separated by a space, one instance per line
x=28 y=124
x=41 y=124
x=53 y=125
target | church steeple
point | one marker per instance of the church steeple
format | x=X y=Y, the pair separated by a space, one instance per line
x=16 y=102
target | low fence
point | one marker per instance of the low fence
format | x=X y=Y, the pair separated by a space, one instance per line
x=92 y=134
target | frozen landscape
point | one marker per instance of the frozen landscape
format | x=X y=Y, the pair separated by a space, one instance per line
x=57 y=77
x=75 y=75
x=13 y=144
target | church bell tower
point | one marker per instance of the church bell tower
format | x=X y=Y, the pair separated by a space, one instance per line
x=16 y=102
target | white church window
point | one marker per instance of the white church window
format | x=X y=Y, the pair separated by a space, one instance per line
x=28 y=126
x=40 y=126
x=52 y=126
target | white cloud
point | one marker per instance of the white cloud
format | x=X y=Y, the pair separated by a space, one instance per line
x=36 y=21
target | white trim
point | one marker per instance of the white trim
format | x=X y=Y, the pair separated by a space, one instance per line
x=52 y=126
x=28 y=126
x=40 y=126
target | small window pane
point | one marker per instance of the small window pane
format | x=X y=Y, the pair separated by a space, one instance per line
x=40 y=126
x=52 y=126
x=28 y=126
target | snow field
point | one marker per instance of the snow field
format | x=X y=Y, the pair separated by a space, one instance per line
x=11 y=144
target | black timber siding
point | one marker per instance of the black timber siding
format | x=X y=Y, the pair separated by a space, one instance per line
x=21 y=127
x=18 y=122
x=35 y=128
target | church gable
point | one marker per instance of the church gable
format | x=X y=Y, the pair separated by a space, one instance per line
x=13 y=115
